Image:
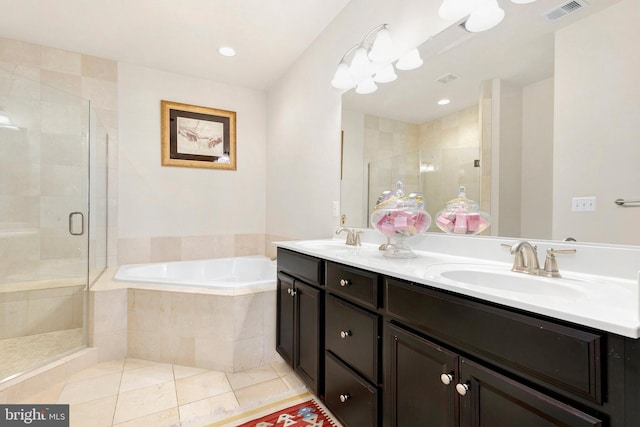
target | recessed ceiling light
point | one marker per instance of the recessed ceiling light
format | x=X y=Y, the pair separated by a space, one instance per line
x=444 y=101
x=227 y=51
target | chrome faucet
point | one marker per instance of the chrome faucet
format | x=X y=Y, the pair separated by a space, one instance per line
x=353 y=236
x=526 y=258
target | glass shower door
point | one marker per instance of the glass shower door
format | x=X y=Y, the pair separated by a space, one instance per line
x=44 y=176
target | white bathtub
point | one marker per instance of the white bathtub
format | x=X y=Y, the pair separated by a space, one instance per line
x=220 y=273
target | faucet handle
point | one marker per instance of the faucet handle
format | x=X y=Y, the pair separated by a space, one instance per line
x=551 y=265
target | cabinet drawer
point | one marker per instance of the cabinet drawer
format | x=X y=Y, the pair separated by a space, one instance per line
x=352 y=334
x=348 y=397
x=301 y=266
x=352 y=283
x=516 y=342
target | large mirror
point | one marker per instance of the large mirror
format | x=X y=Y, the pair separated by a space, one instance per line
x=542 y=128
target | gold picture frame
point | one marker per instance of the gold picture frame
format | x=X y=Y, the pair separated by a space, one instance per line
x=198 y=137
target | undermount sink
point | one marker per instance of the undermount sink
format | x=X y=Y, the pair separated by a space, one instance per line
x=503 y=280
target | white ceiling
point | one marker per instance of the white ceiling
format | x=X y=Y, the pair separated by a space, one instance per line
x=178 y=36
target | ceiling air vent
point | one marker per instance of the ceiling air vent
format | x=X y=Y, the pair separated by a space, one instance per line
x=565 y=9
x=447 y=78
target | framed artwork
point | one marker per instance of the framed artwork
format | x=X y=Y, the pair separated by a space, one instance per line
x=198 y=137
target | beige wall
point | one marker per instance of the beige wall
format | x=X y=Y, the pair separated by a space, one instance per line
x=354 y=174
x=537 y=160
x=303 y=127
x=173 y=213
x=596 y=146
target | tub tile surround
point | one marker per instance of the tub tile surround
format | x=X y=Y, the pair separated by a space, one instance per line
x=140 y=250
x=186 y=326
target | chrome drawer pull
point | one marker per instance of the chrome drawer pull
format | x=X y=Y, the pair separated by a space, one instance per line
x=344 y=397
x=446 y=379
x=345 y=282
x=345 y=334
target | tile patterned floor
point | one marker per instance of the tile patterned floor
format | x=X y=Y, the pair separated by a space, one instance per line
x=22 y=353
x=134 y=392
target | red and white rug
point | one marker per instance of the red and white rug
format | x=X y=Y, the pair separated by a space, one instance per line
x=300 y=411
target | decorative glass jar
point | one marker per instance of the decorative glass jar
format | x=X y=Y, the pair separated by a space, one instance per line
x=462 y=216
x=400 y=217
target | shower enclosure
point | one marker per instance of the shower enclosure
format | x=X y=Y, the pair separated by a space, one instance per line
x=53 y=221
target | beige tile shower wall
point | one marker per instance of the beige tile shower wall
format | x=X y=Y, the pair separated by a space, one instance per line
x=55 y=127
x=390 y=150
x=40 y=311
x=164 y=249
x=395 y=151
x=451 y=144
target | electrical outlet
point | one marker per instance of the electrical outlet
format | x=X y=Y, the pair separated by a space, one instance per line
x=583 y=204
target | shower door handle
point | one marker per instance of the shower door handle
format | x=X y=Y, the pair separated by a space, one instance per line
x=71 y=215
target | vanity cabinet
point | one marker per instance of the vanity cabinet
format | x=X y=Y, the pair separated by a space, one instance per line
x=353 y=345
x=394 y=353
x=300 y=316
x=450 y=361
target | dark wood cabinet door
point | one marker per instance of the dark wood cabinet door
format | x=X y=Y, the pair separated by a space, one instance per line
x=284 y=317
x=415 y=394
x=307 y=328
x=493 y=400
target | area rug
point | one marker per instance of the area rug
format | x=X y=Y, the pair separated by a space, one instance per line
x=299 y=411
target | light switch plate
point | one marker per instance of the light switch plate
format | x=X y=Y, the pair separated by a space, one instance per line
x=583 y=204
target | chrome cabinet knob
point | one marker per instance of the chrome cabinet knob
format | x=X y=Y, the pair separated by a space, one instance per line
x=345 y=282
x=345 y=334
x=289 y=291
x=462 y=389
x=344 y=397
x=446 y=379
x=293 y=292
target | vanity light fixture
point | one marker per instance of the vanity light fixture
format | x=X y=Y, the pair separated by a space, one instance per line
x=483 y=14
x=372 y=63
x=227 y=51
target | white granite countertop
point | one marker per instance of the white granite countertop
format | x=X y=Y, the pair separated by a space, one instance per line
x=602 y=301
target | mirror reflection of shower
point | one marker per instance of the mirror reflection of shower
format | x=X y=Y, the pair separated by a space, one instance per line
x=434 y=158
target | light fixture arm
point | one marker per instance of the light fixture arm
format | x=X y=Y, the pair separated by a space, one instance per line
x=375 y=30
x=348 y=52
